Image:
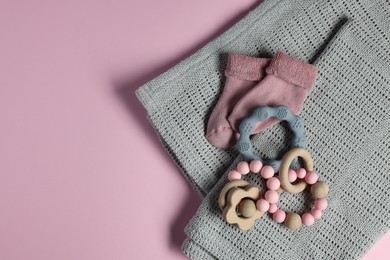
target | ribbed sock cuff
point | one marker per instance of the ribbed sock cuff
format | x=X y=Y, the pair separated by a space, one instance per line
x=246 y=67
x=292 y=70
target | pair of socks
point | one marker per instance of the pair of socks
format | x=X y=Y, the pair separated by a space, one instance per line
x=253 y=82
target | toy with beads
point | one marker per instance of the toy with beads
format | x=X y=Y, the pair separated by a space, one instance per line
x=242 y=207
x=319 y=190
x=242 y=203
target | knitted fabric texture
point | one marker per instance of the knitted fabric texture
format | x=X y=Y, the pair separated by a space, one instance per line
x=180 y=100
x=347 y=125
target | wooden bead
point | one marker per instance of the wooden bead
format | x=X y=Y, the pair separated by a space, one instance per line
x=247 y=208
x=319 y=190
x=293 y=221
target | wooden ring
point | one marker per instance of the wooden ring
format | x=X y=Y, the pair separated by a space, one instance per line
x=285 y=166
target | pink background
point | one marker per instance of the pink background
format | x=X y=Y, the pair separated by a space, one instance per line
x=74 y=179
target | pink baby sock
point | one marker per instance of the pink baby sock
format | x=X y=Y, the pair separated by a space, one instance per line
x=242 y=73
x=287 y=83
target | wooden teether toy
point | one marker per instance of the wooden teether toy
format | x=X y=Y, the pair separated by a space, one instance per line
x=242 y=203
x=238 y=203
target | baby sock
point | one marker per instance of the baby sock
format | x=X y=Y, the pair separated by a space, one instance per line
x=287 y=83
x=242 y=73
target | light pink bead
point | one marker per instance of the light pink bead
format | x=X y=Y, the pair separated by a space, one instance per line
x=320 y=204
x=279 y=216
x=273 y=183
x=316 y=213
x=255 y=166
x=262 y=205
x=292 y=175
x=272 y=208
x=267 y=172
x=301 y=173
x=307 y=219
x=243 y=168
x=311 y=177
x=234 y=175
x=271 y=196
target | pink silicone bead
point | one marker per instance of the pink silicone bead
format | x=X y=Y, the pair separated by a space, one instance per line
x=316 y=213
x=321 y=204
x=271 y=196
x=243 y=168
x=273 y=183
x=307 y=219
x=311 y=177
x=267 y=172
x=279 y=216
x=272 y=208
x=262 y=205
x=255 y=166
x=301 y=173
x=234 y=175
x=292 y=175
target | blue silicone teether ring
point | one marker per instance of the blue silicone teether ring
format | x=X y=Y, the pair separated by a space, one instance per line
x=244 y=145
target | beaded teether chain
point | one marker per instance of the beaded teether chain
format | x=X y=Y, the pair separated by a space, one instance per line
x=319 y=190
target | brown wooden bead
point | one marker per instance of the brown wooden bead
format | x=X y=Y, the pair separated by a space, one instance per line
x=293 y=221
x=247 y=208
x=319 y=190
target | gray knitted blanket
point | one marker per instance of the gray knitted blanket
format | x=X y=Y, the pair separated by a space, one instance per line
x=347 y=126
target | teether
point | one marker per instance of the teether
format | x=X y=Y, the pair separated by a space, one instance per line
x=319 y=190
x=244 y=146
x=242 y=203
x=237 y=201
